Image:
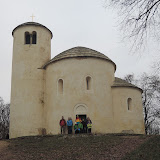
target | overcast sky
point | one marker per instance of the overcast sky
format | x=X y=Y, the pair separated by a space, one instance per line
x=73 y=23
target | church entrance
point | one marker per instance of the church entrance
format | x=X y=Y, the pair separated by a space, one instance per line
x=82 y=116
x=81 y=110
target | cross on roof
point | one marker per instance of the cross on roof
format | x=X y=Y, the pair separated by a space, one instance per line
x=32 y=17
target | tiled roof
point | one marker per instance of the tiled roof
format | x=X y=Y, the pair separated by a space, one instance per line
x=79 y=52
x=33 y=24
x=118 y=82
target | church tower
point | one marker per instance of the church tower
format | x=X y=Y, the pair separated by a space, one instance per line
x=31 y=50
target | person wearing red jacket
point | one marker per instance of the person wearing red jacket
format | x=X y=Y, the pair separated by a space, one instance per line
x=62 y=124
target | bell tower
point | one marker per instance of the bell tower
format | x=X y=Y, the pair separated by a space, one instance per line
x=31 y=50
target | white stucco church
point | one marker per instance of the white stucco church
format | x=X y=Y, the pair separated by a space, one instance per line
x=79 y=81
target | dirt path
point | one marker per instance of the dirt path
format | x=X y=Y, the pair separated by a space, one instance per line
x=3 y=145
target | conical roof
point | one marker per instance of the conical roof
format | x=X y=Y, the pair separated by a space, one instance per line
x=79 y=52
x=118 y=82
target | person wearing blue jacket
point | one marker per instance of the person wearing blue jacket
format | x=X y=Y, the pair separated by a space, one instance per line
x=69 y=125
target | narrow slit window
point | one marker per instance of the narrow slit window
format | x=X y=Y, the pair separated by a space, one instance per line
x=27 y=38
x=34 y=37
x=60 y=86
x=129 y=103
x=88 y=83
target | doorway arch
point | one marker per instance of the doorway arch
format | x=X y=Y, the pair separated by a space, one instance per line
x=80 y=109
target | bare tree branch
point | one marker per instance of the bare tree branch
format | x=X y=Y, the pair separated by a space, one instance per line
x=139 y=18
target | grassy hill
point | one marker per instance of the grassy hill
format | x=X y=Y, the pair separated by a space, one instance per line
x=79 y=147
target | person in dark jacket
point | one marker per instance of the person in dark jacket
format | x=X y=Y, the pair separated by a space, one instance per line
x=84 y=122
x=69 y=125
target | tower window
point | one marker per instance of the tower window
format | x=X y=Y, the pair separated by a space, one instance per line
x=129 y=103
x=88 y=83
x=60 y=86
x=34 y=37
x=27 y=38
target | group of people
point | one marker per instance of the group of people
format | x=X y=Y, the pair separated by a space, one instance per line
x=80 y=126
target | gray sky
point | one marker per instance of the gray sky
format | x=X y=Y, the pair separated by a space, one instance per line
x=73 y=23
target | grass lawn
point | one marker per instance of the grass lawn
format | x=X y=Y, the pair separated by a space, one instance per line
x=83 y=146
x=149 y=150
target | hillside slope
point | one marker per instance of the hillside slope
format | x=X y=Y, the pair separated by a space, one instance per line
x=105 y=147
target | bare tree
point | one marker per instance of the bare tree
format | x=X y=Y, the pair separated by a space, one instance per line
x=138 y=18
x=4 y=119
x=129 y=78
x=150 y=98
x=156 y=67
x=150 y=84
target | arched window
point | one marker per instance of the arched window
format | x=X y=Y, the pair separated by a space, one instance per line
x=129 y=103
x=60 y=86
x=88 y=83
x=27 y=38
x=34 y=37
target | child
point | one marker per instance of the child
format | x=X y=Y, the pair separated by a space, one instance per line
x=76 y=128
x=80 y=126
